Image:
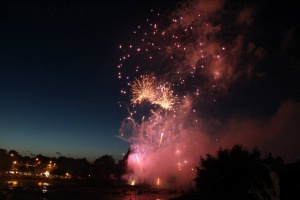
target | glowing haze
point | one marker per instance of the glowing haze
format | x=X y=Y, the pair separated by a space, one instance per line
x=172 y=63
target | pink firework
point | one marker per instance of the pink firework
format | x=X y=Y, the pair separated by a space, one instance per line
x=178 y=61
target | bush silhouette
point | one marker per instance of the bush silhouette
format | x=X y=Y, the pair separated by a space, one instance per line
x=236 y=173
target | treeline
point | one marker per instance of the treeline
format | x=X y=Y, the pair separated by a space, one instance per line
x=102 y=169
x=234 y=173
x=237 y=173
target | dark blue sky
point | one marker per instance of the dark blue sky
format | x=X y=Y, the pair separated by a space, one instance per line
x=59 y=89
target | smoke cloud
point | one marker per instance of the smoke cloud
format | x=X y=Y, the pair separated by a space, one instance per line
x=200 y=56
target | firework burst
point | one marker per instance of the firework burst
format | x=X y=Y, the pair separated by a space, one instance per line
x=188 y=60
x=165 y=98
x=143 y=89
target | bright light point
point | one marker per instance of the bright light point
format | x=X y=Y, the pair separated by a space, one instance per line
x=47 y=173
x=133 y=182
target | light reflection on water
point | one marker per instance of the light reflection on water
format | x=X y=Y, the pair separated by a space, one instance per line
x=42 y=190
x=143 y=197
x=11 y=189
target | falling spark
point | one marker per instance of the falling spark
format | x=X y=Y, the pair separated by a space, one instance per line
x=161 y=136
x=138 y=161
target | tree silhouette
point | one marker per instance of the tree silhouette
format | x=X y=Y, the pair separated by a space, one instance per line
x=74 y=167
x=104 y=167
x=4 y=161
x=236 y=174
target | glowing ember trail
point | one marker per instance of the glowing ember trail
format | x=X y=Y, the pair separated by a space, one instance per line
x=138 y=161
x=161 y=136
x=158 y=182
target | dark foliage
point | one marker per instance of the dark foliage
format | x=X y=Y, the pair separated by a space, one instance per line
x=236 y=174
x=104 y=168
x=4 y=161
x=75 y=167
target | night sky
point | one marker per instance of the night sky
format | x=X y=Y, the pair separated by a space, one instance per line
x=59 y=89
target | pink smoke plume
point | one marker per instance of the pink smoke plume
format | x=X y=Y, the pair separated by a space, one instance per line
x=195 y=55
